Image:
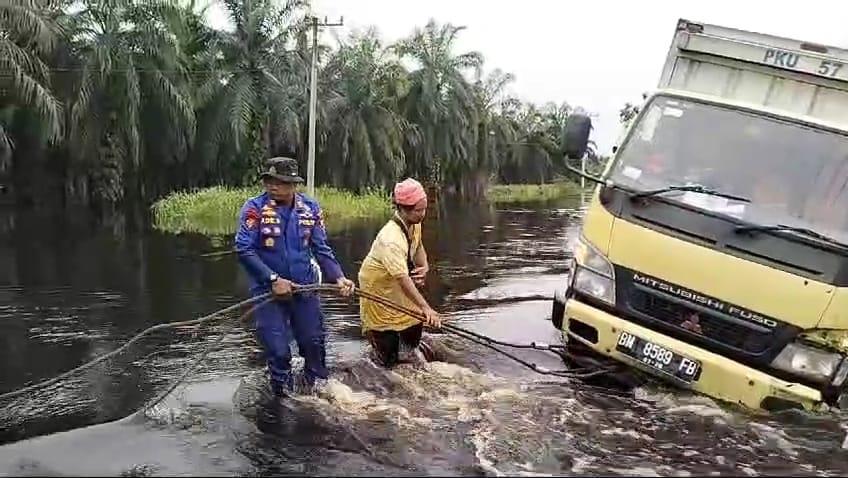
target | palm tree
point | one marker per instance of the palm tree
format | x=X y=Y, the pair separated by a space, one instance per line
x=365 y=131
x=156 y=99
x=539 y=145
x=184 y=165
x=441 y=103
x=496 y=133
x=130 y=70
x=534 y=156
x=261 y=92
x=28 y=33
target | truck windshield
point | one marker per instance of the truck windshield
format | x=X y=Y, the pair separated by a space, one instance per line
x=792 y=174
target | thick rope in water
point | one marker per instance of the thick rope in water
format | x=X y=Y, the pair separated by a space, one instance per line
x=473 y=336
x=137 y=337
x=582 y=373
x=296 y=288
x=170 y=325
x=262 y=300
x=200 y=358
x=490 y=342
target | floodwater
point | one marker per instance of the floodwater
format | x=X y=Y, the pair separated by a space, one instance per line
x=69 y=293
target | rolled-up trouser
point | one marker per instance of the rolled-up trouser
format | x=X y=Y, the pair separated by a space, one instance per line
x=391 y=346
x=280 y=321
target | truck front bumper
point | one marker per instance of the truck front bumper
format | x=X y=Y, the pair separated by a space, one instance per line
x=719 y=377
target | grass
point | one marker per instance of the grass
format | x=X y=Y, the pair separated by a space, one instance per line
x=214 y=211
x=531 y=192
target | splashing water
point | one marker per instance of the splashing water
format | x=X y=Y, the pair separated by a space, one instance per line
x=469 y=413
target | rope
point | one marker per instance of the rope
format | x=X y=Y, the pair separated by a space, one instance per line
x=200 y=358
x=298 y=288
x=170 y=325
x=147 y=331
x=490 y=342
x=585 y=372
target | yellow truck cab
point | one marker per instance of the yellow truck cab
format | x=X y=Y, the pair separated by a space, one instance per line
x=714 y=251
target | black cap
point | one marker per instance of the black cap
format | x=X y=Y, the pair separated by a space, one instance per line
x=283 y=169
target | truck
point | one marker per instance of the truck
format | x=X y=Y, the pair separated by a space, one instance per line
x=713 y=252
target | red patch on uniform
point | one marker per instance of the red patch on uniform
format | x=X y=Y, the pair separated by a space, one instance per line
x=251 y=217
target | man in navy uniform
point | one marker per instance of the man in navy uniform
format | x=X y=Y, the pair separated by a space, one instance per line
x=281 y=235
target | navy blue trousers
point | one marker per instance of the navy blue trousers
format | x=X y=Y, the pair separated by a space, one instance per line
x=298 y=318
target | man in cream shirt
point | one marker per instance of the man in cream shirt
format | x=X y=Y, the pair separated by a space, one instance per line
x=395 y=268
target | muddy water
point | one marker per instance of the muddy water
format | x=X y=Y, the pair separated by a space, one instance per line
x=475 y=413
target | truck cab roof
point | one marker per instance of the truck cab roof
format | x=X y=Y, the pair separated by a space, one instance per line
x=774 y=75
x=817 y=122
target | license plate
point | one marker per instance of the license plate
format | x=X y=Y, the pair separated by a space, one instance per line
x=658 y=357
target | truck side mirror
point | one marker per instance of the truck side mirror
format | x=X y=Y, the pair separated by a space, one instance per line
x=575 y=138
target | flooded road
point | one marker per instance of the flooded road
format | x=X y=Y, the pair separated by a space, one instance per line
x=64 y=302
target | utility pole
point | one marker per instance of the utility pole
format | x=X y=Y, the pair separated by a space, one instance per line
x=313 y=100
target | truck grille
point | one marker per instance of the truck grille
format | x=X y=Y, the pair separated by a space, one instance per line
x=718 y=329
x=667 y=308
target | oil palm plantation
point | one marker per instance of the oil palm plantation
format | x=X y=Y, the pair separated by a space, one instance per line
x=28 y=35
x=130 y=100
x=255 y=103
x=441 y=103
x=365 y=131
x=154 y=99
x=497 y=132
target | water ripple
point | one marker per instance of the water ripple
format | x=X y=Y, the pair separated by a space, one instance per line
x=470 y=413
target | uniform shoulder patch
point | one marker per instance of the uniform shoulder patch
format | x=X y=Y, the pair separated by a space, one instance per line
x=251 y=217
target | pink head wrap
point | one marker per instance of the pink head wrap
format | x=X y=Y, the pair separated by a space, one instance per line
x=408 y=192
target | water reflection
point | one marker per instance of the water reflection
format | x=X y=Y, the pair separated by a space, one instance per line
x=83 y=289
x=472 y=413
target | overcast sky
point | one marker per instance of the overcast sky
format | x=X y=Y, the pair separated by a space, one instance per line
x=597 y=54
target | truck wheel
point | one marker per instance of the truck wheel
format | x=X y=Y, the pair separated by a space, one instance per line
x=557 y=311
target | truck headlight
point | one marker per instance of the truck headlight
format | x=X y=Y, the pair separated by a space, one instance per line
x=593 y=274
x=816 y=364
